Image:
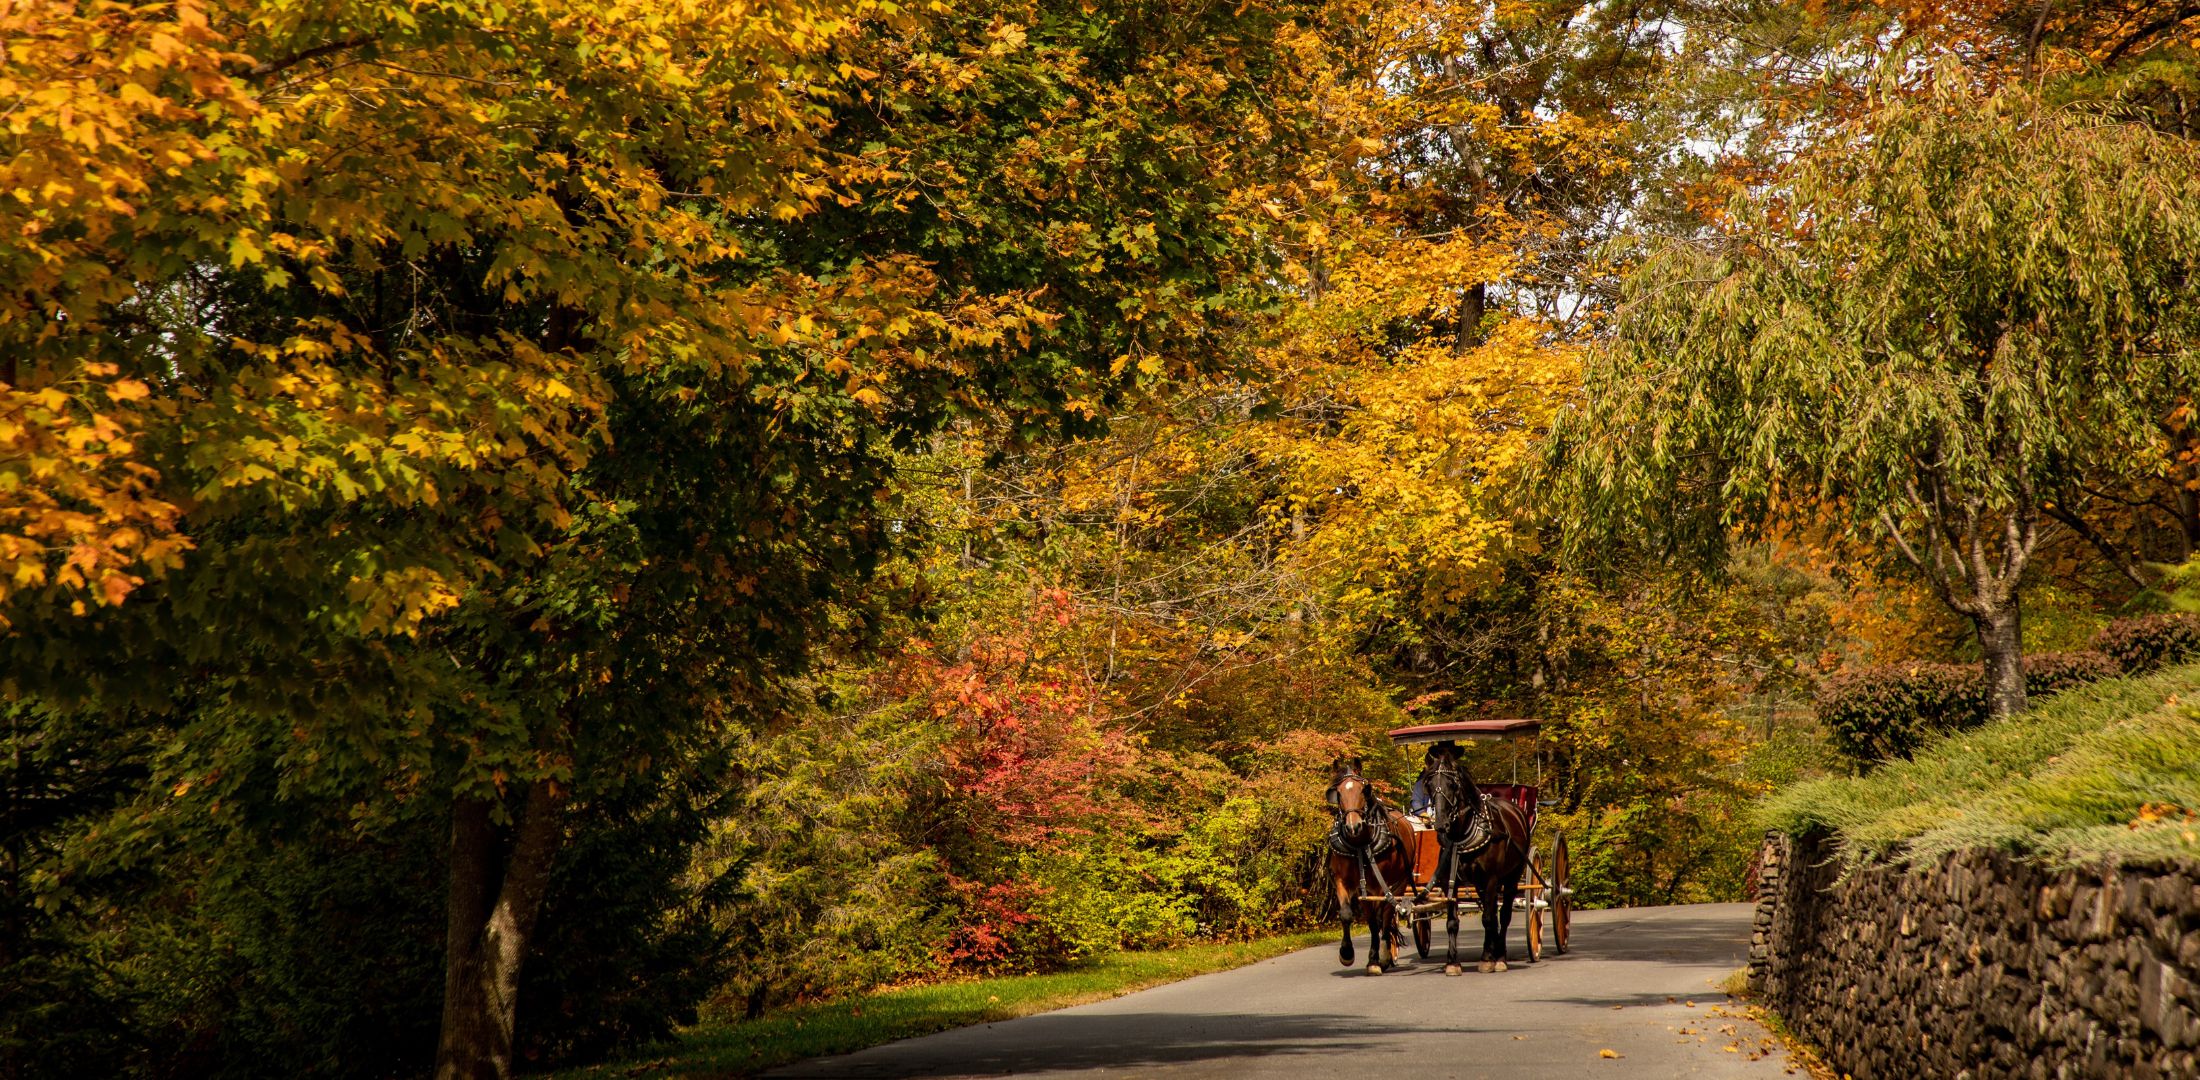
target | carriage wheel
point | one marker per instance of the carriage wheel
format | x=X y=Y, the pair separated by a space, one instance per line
x=1535 y=914
x=1562 y=901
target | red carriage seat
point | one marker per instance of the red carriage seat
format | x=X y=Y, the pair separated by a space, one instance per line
x=1520 y=795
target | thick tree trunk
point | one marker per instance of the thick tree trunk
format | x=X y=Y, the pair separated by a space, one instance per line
x=2001 y=639
x=498 y=876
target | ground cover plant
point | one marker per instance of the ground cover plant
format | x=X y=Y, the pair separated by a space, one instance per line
x=2110 y=770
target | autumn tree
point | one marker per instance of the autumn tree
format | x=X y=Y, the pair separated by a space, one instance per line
x=461 y=413
x=1937 y=336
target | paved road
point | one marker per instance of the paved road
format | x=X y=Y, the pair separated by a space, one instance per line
x=1639 y=982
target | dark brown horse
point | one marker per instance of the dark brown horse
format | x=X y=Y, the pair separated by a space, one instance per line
x=1480 y=842
x=1370 y=854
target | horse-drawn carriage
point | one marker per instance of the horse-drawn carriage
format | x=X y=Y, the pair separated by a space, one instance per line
x=1471 y=847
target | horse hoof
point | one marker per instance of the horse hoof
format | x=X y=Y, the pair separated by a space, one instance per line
x=1486 y=967
x=1453 y=969
x=1374 y=969
x=1499 y=966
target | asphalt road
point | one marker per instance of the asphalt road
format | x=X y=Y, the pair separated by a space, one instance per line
x=1638 y=982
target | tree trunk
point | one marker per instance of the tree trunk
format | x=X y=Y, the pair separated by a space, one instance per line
x=498 y=876
x=2188 y=509
x=1473 y=304
x=2001 y=639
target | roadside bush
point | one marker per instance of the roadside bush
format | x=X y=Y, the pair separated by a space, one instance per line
x=1885 y=712
x=2150 y=641
x=2053 y=673
x=1111 y=894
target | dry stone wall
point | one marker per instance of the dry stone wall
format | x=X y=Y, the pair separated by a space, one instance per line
x=1982 y=965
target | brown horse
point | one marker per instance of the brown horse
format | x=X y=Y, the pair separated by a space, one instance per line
x=1370 y=854
x=1480 y=842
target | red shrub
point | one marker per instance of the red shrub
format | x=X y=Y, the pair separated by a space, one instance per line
x=2150 y=641
x=1026 y=764
x=994 y=930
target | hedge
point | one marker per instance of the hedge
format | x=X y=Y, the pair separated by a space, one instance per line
x=2150 y=641
x=1885 y=712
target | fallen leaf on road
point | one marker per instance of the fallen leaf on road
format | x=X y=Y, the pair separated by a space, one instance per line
x=1731 y=1048
x=1607 y=1053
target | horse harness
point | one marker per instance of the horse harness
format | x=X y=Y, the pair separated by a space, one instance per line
x=1478 y=833
x=1365 y=855
x=1479 y=830
x=1343 y=845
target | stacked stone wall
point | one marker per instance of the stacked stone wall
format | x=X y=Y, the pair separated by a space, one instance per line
x=1981 y=965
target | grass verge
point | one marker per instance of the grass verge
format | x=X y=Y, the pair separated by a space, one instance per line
x=744 y=1048
x=2110 y=771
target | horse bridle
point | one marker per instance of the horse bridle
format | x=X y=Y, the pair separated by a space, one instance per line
x=1472 y=804
x=1371 y=814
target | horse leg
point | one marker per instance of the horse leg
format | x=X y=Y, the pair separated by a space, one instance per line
x=1374 y=941
x=1390 y=937
x=1446 y=883
x=1344 y=911
x=1493 y=938
x=1451 y=927
x=1505 y=922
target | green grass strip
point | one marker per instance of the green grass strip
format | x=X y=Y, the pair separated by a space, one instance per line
x=744 y=1048
x=2109 y=771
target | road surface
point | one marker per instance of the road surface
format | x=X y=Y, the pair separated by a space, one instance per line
x=1639 y=983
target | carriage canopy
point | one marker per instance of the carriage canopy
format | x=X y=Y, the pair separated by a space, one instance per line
x=1457 y=730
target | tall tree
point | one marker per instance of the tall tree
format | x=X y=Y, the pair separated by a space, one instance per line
x=1982 y=304
x=456 y=410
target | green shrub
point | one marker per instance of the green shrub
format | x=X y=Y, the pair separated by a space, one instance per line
x=1885 y=712
x=2150 y=641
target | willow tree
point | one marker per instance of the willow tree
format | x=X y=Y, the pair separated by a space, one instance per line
x=1974 y=306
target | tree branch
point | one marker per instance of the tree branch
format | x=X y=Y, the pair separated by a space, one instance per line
x=2183 y=12
x=2090 y=535
x=265 y=68
x=1932 y=571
